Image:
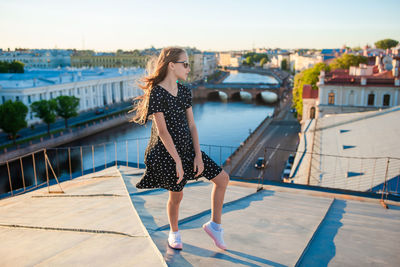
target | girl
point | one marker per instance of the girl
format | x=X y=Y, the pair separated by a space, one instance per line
x=173 y=154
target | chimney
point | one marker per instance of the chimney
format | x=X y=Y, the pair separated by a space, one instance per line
x=395 y=68
x=377 y=60
x=395 y=72
x=363 y=81
x=322 y=77
x=365 y=52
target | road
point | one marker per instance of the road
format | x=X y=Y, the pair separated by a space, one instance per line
x=279 y=136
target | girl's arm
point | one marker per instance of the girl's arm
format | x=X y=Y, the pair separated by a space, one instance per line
x=168 y=142
x=198 y=164
x=193 y=131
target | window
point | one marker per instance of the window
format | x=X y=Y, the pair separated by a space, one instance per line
x=29 y=99
x=331 y=99
x=371 y=99
x=312 y=113
x=17 y=98
x=386 y=100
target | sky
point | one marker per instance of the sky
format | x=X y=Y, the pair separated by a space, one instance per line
x=212 y=25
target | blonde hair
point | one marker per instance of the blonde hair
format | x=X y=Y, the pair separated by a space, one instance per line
x=156 y=72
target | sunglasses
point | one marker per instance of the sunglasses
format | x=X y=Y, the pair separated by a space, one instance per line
x=185 y=63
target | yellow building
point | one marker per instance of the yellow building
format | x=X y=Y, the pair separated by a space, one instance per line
x=229 y=59
x=196 y=67
x=108 y=60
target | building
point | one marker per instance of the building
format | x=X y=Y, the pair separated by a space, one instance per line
x=358 y=89
x=94 y=87
x=228 y=59
x=283 y=56
x=109 y=60
x=300 y=62
x=209 y=63
x=196 y=66
x=202 y=64
x=363 y=88
x=310 y=103
x=327 y=54
x=39 y=58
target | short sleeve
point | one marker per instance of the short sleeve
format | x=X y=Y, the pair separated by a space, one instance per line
x=156 y=102
x=188 y=97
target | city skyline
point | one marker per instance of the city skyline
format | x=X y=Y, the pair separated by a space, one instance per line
x=218 y=26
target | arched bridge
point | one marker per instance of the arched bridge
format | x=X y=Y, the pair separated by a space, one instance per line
x=233 y=90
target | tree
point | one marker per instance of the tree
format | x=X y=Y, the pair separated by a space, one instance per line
x=13 y=117
x=346 y=60
x=46 y=110
x=249 y=61
x=67 y=107
x=308 y=76
x=263 y=61
x=16 y=67
x=3 y=67
x=386 y=43
x=284 y=64
x=251 y=57
x=13 y=67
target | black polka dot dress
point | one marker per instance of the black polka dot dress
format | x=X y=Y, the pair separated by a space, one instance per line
x=160 y=166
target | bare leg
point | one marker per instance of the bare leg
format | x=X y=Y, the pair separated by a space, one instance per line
x=173 y=203
x=217 y=195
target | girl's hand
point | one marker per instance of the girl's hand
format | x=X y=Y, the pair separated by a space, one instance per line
x=179 y=171
x=198 y=165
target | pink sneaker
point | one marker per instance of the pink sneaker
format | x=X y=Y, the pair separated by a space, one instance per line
x=217 y=236
x=174 y=240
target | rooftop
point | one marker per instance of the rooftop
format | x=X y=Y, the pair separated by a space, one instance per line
x=46 y=77
x=95 y=223
x=343 y=77
x=351 y=151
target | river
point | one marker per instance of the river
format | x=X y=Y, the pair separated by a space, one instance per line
x=221 y=127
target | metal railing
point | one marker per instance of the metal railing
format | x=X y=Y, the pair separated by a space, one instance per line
x=376 y=175
x=41 y=167
x=380 y=175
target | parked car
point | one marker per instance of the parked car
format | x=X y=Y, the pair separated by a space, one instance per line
x=286 y=173
x=291 y=159
x=260 y=163
x=99 y=111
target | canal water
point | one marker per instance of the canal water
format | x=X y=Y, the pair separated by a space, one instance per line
x=241 y=77
x=222 y=127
